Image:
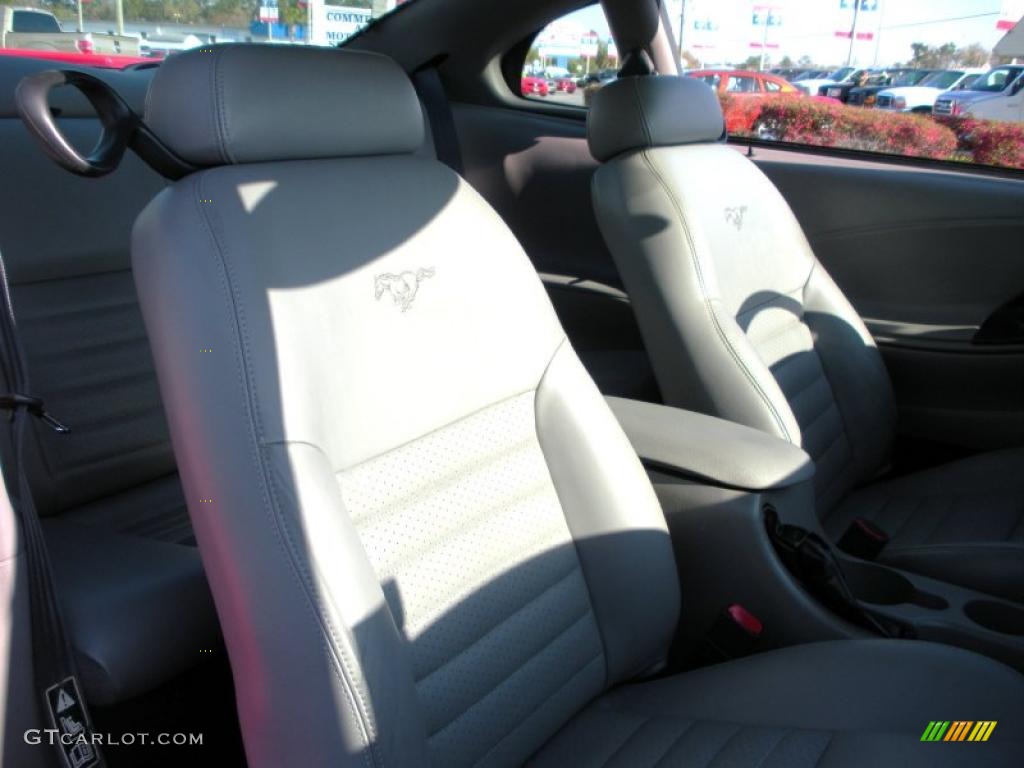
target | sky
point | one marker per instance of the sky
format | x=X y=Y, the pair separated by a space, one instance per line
x=809 y=27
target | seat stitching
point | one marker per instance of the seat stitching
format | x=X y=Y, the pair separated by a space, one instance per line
x=560 y=688
x=385 y=452
x=795 y=322
x=498 y=684
x=270 y=501
x=770 y=752
x=826 y=748
x=561 y=505
x=629 y=737
x=806 y=426
x=815 y=379
x=906 y=519
x=950 y=507
x=951 y=548
x=501 y=623
x=824 y=371
x=734 y=353
x=675 y=743
x=726 y=743
x=773 y=300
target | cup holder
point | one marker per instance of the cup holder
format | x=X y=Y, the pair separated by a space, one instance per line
x=999 y=617
x=878 y=585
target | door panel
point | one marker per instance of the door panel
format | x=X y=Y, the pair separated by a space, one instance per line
x=926 y=257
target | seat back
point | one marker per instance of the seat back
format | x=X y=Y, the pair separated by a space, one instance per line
x=426 y=535
x=739 y=318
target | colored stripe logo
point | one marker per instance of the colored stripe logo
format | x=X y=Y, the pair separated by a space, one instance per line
x=958 y=730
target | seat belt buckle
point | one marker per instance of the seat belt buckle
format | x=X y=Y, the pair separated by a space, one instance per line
x=36 y=407
x=735 y=633
x=863 y=539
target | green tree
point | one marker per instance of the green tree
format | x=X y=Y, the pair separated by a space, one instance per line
x=752 y=62
x=973 y=55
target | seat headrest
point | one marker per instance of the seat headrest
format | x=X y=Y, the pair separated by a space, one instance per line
x=245 y=103
x=652 y=111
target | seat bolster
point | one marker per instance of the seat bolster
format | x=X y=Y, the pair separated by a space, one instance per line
x=858 y=378
x=139 y=611
x=614 y=517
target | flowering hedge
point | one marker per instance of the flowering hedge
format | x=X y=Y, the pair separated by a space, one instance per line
x=808 y=121
x=825 y=124
x=988 y=141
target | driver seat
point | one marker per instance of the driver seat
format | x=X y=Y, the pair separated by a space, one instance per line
x=427 y=538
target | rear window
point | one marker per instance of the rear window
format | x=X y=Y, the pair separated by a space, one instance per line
x=32 y=21
x=160 y=28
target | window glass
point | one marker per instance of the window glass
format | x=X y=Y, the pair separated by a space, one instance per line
x=997 y=80
x=575 y=54
x=843 y=55
x=33 y=22
x=741 y=84
x=771 y=86
x=154 y=29
x=941 y=80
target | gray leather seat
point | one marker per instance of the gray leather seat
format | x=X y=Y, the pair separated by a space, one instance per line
x=742 y=322
x=129 y=576
x=427 y=537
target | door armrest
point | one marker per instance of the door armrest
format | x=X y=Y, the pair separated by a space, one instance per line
x=694 y=445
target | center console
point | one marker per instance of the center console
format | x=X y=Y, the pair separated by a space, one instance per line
x=727 y=490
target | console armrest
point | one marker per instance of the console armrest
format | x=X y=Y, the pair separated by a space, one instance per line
x=694 y=445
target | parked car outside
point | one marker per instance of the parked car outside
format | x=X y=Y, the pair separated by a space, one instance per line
x=742 y=82
x=534 y=86
x=811 y=85
x=38 y=30
x=565 y=85
x=597 y=78
x=866 y=95
x=921 y=97
x=995 y=95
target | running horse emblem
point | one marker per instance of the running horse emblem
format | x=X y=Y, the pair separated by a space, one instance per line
x=402 y=286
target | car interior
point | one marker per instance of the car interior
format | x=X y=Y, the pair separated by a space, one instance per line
x=414 y=422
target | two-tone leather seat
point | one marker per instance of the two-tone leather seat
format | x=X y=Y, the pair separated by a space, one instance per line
x=742 y=322
x=429 y=541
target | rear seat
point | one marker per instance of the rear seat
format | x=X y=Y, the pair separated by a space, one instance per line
x=130 y=578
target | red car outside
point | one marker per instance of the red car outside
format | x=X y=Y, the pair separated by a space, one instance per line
x=565 y=85
x=743 y=82
x=534 y=86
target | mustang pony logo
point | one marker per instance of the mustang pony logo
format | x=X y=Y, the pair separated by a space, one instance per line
x=402 y=286
x=735 y=216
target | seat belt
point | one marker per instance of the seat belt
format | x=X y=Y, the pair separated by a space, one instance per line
x=429 y=88
x=53 y=662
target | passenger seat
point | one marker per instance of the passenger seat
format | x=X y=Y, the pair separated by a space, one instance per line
x=742 y=322
x=128 y=574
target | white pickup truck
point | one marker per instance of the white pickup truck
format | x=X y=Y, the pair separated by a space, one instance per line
x=996 y=95
x=921 y=97
x=34 y=30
